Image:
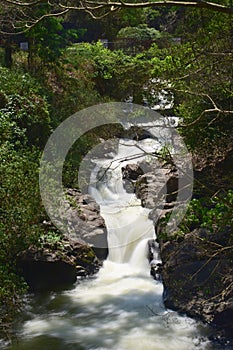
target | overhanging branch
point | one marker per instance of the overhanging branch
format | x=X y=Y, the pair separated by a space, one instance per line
x=196 y=4
x=215 y=109
x=96 y=8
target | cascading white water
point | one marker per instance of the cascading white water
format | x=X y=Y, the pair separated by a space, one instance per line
x=127 y=222
x=122 y=308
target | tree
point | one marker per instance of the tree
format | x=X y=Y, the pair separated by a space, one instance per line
x=26 y=13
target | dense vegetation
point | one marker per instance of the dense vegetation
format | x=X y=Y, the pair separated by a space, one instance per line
x=186 y=52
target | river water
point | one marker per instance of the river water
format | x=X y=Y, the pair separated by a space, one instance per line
x=121 y=308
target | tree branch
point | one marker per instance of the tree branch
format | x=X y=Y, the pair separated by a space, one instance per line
x=99 y=9
x=215 y=108
x=197 y=4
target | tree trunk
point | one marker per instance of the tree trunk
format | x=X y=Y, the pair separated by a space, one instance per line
x=8 y=56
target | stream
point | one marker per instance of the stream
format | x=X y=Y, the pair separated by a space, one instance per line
x=121 y=308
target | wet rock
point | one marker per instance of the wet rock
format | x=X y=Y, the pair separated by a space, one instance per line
x=152 y=250
x=172 y=187
x=224 y=320
x=154 y=259
x=156 y=270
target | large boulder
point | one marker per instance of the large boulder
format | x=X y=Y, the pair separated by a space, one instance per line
x=81 y=214
x=153 y=182
x=77 y=253
x=54 y=266
x=198 y=278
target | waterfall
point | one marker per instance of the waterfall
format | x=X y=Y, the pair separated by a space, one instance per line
x=127 y=222
x=122 y=307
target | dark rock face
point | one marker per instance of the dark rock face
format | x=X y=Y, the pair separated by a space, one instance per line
x=48 y=268
x=198 y=279
x=44 y=275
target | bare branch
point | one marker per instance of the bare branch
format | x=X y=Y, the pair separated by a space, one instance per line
x=215 y=108
x=197 y=4
x=27 y=23
x=24 y=4
x=98 y=9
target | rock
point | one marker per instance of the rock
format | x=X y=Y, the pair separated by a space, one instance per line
x=152 y=182
x=85 y=222
x=154 y=259
x=198 y=279
x=150 y=189
x=215 y=169
x=152 y=250
x=49 y=268
x=131 y=171
x=172 y=187
x=136 y=133
x=156 y=271
x=78 y=252
x=224 y=320
x=45 y=275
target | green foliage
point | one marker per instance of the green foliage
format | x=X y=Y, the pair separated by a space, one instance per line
x=11 y=287
x=215 y=214
x=211 y=213
x=141 y=32
x=24 y=115
x=72 y=88
x=20 y=201
x=136 y=39
x=198 y=73
x=51 y=239
x=20 y=216
x=24 y=124
x=14 y=81
x=27 y=119
x=112 y=72
x=48 y=38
